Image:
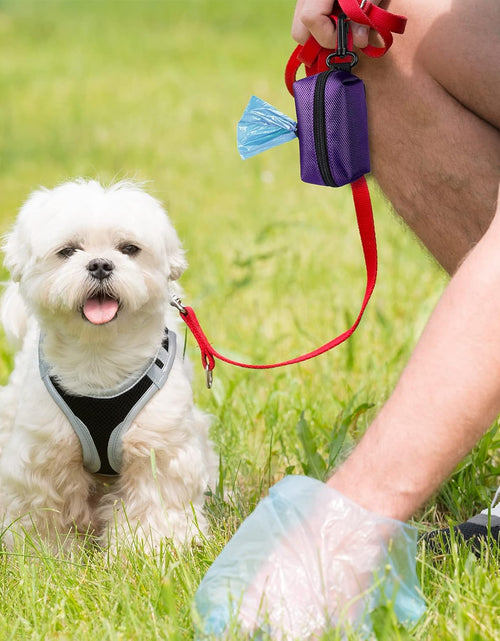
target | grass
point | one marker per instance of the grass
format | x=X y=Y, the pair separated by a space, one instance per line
x=153 y=90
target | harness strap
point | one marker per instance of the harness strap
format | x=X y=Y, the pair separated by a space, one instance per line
x=100 y=422
x=364 y=215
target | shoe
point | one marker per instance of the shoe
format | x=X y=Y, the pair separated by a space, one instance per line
x=483 y=527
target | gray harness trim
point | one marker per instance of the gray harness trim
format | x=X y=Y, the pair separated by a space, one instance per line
x=482 y=519
x=151 y=380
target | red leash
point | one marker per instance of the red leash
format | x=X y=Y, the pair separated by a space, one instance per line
x=313 y=56
x=366 y=226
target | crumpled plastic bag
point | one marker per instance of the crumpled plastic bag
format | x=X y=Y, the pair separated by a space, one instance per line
x=308 y=559
x=262 y=127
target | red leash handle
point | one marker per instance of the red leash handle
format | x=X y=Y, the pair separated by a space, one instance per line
x=364 y=215
x=313 y=56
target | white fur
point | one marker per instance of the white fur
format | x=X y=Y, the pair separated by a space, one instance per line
x=168 y=461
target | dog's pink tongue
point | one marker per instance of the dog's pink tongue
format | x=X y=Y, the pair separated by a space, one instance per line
x=100 y=310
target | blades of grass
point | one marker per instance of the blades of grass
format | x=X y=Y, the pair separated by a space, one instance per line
x=313 y=463
x=339 y=432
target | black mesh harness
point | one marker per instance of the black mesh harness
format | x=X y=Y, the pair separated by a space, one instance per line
x=101 y=421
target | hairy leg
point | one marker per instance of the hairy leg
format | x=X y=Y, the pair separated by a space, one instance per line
x=434 y=122
x=435 y=144
x=149 y=505
x=45 y=495
x=160 y=495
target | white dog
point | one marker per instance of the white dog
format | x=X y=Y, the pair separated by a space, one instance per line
x=98 y=430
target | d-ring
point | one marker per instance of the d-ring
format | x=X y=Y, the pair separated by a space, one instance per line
x=335 y=54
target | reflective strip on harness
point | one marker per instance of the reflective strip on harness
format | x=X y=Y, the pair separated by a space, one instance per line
x=100 y=422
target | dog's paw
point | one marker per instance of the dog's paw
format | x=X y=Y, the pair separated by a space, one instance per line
x=179 y=527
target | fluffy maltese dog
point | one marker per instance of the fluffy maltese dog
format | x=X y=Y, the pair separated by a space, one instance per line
x=98 y=431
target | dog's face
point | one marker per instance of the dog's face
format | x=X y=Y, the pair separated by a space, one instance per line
x=88 y=254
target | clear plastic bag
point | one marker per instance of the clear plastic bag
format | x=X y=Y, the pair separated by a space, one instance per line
x=262 y=127
x=307 y=559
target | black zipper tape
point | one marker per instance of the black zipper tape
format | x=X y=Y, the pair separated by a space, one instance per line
x=319 y=128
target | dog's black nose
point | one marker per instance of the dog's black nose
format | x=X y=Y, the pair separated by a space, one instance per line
x=100 y=268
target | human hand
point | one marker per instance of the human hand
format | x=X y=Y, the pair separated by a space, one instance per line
x=311 y=17
x=307 y=559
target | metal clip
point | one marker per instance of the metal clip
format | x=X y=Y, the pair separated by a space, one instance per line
x=176 y=302
x=342 y=51
x=210 y=375
x=342 y=29
x=338 y=65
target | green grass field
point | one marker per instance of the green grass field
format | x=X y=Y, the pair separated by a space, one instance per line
x=152 y=90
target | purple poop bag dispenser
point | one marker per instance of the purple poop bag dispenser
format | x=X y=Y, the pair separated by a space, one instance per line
x=332 y=128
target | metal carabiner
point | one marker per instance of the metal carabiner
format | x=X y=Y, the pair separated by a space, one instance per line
x=342 y=29
x=342 y=51
x=176 y=302
x=209 y=376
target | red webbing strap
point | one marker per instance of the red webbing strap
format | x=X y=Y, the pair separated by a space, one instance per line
x=313 y=56
x=364 y=215
x=383 y=22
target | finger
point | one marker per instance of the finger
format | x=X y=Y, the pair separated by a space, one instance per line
x=360 y=35
x=312 y=18
x=300 y=32
x=323 y=30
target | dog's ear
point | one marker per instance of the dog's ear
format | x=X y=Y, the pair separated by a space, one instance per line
x=16 y=252
x=17 y=243
x=176 y=256
x=13 y=315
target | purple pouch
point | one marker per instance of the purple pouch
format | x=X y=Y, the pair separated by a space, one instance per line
x=332 y=127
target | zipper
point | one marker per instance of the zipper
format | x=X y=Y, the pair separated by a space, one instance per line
x=319 y=128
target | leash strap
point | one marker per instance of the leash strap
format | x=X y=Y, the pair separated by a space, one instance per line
x=313 y=56
x=364 y=215
x=316 y=59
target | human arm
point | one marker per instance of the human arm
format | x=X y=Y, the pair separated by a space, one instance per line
x=304 y=560
x=435 y=154
x=445 y=400
x=434 y=125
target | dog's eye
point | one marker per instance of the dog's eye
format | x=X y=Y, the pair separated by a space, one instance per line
x=66 y=252
x=129 y=250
